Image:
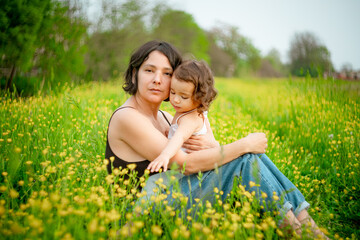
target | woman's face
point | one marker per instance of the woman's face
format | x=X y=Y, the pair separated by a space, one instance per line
x=154 y=78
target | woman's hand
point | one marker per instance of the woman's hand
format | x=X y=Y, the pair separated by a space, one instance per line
x=200 y=142
x=256 y=143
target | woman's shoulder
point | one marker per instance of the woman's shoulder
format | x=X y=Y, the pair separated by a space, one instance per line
x=123 y=111
x=125 y=116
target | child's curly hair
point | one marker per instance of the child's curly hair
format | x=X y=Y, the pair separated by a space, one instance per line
x=198 y=73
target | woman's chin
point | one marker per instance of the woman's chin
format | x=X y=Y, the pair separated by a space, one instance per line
x=157 y=99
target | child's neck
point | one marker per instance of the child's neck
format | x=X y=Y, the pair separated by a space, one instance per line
x=178 y=114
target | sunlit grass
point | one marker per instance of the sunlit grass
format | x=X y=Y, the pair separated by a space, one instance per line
x=54 y=183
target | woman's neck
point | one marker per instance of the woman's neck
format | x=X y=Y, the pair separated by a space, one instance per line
x=145 y=107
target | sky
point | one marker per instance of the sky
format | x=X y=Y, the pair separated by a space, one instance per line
x=273 y=23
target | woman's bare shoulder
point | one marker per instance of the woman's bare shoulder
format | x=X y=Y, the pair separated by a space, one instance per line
x=125 y=119
x=123 y=111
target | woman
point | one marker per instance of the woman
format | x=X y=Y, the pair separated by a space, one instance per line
x=137 y=134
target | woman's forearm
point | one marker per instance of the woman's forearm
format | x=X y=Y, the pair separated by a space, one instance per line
x=208 y=159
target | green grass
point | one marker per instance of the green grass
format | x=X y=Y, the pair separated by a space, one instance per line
x=54 y=185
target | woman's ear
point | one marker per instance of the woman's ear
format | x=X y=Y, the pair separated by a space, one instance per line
x=133 y=76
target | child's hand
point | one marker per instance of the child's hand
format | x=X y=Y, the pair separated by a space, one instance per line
x=160 y=161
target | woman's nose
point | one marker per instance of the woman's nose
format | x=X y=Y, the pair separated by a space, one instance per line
x=157 y=77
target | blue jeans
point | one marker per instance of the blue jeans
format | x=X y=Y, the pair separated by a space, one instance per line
x=249 y=167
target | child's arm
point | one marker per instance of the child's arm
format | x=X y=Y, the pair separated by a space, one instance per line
x=188 y=124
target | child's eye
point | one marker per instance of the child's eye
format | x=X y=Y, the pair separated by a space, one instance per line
x=171 y=92
x=184 y=97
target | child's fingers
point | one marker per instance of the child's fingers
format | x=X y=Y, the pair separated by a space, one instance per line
x=153 y=167
x=150 y=165
x=159 y=166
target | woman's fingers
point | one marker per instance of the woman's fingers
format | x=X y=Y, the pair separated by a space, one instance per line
x=194 y=143
x=191 y=147
x=194 y=140
x=188 y=151
x=257 y=142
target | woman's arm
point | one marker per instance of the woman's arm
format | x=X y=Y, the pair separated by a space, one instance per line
x=208 y=159
x=149 y=142
x=138 y=133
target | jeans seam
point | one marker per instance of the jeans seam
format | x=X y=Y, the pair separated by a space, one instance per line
x=267 y=181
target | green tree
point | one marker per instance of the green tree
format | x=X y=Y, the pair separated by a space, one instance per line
x=271 y=65
x=273 y=56
x=61 y=45
x=180 y=29
x=243 y=53
x=118 y=32
x=309 y=56
x=19 y=25
x=222 y=63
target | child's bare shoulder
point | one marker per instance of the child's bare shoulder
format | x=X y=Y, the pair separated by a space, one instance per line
x=193 y=117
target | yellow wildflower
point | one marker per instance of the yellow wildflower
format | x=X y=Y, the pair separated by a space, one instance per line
x=131 y=166
x=13 y=193
x=156 y=230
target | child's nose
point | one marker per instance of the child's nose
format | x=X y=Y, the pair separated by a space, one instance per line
x=176 y=99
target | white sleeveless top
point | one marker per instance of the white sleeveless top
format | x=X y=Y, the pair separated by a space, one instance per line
x=175 y=126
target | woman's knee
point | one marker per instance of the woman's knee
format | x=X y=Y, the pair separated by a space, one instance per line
x=247 y=158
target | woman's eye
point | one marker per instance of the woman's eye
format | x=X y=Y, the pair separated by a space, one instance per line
x=148 y=70
x=168 y=74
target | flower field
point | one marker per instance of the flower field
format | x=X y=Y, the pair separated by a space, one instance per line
x=54 y=184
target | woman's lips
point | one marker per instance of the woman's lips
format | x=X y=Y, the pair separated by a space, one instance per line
x=155 y=90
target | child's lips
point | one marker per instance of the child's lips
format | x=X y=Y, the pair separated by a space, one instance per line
x=176 y=107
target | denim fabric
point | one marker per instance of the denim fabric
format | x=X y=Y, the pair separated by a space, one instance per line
x=250 y=167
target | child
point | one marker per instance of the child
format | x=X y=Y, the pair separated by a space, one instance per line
x=192 y=90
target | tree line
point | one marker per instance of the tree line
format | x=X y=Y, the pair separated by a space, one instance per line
x=45 y=43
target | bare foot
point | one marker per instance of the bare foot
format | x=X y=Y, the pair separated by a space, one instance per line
x=306 y=220
x=291 y=225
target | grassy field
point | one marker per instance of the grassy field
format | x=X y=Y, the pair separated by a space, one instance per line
x=53 y=182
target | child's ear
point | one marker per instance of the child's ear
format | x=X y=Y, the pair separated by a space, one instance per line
x=197 y=102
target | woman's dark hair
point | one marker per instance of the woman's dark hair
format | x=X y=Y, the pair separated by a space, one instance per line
x=141 y=54
x=198 y=73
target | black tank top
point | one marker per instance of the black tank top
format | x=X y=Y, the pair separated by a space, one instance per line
x=118 y=162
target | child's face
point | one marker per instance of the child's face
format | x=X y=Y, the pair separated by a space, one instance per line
x=181 y=95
